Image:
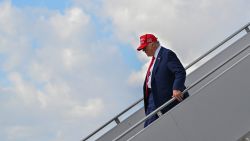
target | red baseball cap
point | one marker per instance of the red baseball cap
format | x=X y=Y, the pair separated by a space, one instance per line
x=145 y=40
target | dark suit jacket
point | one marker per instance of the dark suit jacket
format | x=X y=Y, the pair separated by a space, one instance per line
x=168 y=75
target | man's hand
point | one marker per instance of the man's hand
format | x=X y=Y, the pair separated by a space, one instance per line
x=178 y=95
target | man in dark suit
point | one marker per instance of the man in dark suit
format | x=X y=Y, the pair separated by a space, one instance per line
x=165 y=77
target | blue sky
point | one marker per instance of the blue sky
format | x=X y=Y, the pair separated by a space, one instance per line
x=53 y=5
x=67 y=66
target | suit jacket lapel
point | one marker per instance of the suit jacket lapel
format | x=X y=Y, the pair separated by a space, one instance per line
x=157 y=62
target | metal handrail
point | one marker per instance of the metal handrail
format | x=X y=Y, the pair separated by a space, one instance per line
x=186 y=90
x=113 y=119
x=187 y=67
x=221 y=43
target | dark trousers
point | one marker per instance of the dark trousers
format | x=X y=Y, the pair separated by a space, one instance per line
x=151 y=107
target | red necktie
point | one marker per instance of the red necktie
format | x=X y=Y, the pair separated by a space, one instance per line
x=148 y=74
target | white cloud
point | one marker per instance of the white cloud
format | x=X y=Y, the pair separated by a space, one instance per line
x=93 y=108
x=39 y=72
x=6 y=19
x=12 y=40
x=42 y=99
x=71 y=58
x=26 y=93
x=73 y=22
x=59 y=74
x=19 y=132
x=137 y=77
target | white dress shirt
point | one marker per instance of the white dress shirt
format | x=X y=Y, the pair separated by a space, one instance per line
x=151 y=69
